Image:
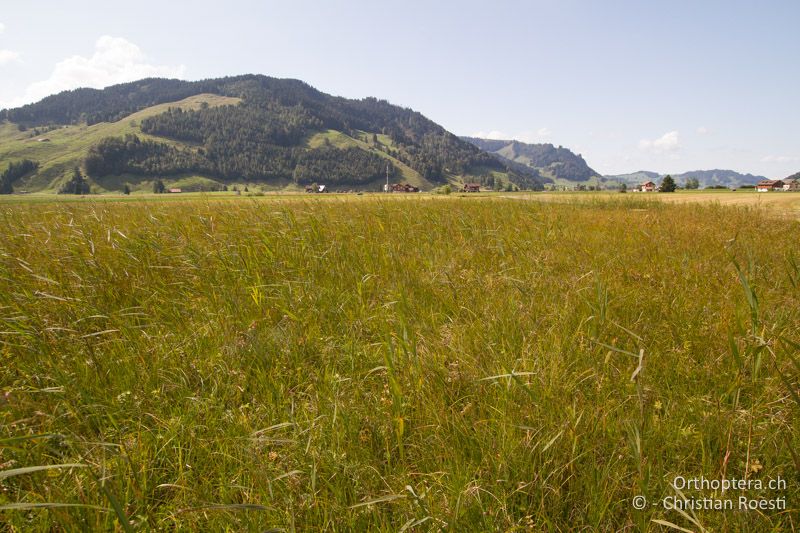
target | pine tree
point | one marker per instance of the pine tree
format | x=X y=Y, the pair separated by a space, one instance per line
x=668 y=184
x=76 y=185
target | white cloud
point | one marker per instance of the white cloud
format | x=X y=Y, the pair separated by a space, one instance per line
x=493 y=135
x=779 y=159
x=543 y=133
x=2 y=27
x=702 y=130
x=539 y=136
x=7 y=56
x=115 y=60
x=669 y=142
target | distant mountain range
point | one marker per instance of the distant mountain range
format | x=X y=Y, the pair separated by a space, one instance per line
x=278 y=133
x=551 y=163
x=706 y=178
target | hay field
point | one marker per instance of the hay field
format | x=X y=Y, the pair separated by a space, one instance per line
x=466 y=364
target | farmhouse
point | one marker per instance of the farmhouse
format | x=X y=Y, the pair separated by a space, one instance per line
x=472 y=187
x=791 y=184
x=404 y=187
x=769 y=185
x=175 y=191
x=647 y=186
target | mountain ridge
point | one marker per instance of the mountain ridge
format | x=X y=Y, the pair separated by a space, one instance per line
x=552 y=162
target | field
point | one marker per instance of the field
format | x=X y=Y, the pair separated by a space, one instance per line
x=414 y=363
x=781 y=204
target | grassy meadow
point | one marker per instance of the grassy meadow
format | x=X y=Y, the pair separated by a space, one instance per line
x=60 y=150
x=400 y=364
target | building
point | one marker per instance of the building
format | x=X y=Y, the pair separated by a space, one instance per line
x=404 y=187
x=769 y=185
x=472 y=187
x=647 y=186
x=175 y=191
x=791 y=184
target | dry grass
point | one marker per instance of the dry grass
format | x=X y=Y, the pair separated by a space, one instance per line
x=372 y=364
x=778 y=203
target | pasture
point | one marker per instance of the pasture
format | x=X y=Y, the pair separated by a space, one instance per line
x=395 y=364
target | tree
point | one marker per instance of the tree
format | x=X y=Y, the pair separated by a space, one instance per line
x=126 y=190
x=623 y=187
x=667 y=184
x=158 y=187
x=692 y=183
x=77 y=184
x=14 y=172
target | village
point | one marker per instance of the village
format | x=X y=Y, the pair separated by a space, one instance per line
x=790 y=184
x=392 y=188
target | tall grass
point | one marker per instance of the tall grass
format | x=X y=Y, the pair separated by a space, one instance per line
x=459 y=364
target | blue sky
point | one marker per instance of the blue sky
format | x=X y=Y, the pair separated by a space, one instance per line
x=656 y=85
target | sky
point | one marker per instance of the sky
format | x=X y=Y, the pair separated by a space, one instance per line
x=667 y=86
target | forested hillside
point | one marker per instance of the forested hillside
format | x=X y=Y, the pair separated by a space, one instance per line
x=265 y=136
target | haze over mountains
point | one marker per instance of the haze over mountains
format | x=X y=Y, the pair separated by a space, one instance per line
x=559 y=164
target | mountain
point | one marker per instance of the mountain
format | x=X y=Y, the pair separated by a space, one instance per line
x=635 y=178
x=706 y=178
x=716 y=177
x=550 y=162
x=243 y=129
x=795 y=176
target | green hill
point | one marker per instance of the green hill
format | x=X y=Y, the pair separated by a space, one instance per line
x=247 y=129
x=60 y=149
